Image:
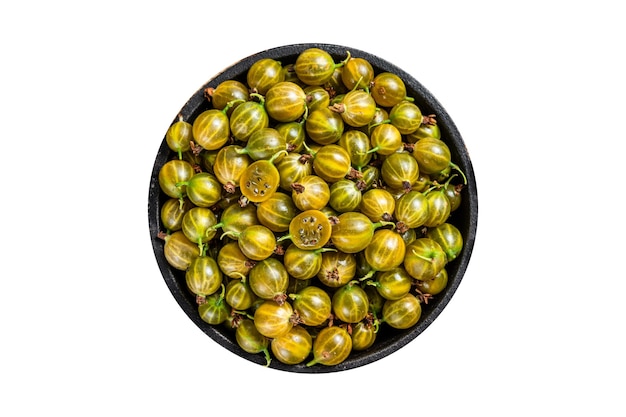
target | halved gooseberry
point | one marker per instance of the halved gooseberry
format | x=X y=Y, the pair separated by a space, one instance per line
x=261 y=179
x=310 y=229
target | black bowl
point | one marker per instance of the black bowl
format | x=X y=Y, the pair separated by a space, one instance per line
x=465 y=217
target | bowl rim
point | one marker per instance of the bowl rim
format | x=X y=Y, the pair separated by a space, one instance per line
x=429 y=104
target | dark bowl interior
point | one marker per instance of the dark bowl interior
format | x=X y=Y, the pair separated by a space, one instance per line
x=465 y=217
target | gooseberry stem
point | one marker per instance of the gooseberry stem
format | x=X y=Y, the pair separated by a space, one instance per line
x=222 y=294
x=457 y=168
x=241 y=276
x=309 y=150
x=215 y=226
x=231 y=103
x=284 y=237
x=383 y=223
x=448 y=181
x=230 y=233
x=268 y=358
x=368 y=275
x=202 y=247
x=277 y=154
x=259 y=97
x=243 y=313
x=345 y=61
x=422 y=256
x=370 y=127
x=321 y=250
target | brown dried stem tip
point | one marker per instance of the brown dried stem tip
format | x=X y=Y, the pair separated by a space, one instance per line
x=208 y=93
x=429 y=120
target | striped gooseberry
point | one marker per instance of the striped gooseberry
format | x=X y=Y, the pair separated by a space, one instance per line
x=363 y=335
x=257 y=242
x=293 y=347
x=432 y=155
x=310 y=193
x=357 y=143
x=345 y=196
x=263 y=74
x=424 y=259
x=226 y=92
x=291 y=168
x=324 y=126
x=251 y=340
x=357 y=73
x=453 y=192
x=232 y=261
x=402 y=313
x=229 y=165
x=248 y=117
x=411 y=210
x=388 y=89
x=357 y=108
x=426 y=130
x=400 y=170
x=303 y=264
x=406 y=116
x=179 y=136
x=203 y=189
x=273 y=319
x=173 y=173
x=263 y=143
x=179 y=251
x=332 y=162
x=276 y=212
x=285 y=101
x=350 y=303
x=332 y=346
x=236 y=218
x=433 y=286
x=269 y=280
x=315 y=66
x=172 y=212
x=386 y=250
x=293 y=133
x=337 y=269
x=317 y=97
x=449 y=237
x=239 y=295
x=352 y=231
x=312 y=305
x=211 y=129
x=392 y=284
x=214 y=310
x=198 y=225
x=203 y=277
x=386 y=139
x=378 y=204
x=439 y=207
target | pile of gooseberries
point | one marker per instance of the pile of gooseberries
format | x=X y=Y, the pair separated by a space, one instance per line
x=308 y=206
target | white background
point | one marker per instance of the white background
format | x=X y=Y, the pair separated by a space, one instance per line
x=88 y=90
